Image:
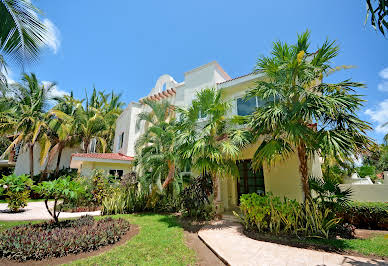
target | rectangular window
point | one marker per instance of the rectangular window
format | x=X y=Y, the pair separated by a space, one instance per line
x=121 y=140
x=116 y=173
x=246 y=107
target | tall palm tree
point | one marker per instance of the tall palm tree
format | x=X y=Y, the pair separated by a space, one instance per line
x=155 y=148
x=63 y=127
x=22 y=34
x=208 y=139
x=27 y=121
x=111 y=109
x=302 y=114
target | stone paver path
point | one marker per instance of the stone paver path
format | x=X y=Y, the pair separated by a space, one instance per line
x=37 y=211
x=226 y=239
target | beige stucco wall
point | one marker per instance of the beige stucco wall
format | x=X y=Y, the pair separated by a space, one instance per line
x=87 y=168
x=369 y=193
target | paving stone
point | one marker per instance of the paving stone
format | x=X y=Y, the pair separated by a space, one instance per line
x=226 y=239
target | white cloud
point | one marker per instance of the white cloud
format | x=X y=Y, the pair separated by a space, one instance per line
x=380 y=116
x=383 y=85
x=55 y=91
x=53 y=35
x=384 y=73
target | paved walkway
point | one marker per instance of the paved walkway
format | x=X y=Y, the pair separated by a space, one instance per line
x=226 y=239
x=37 y=211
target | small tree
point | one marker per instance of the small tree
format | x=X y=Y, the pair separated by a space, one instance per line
x=16 y=189
x=60 y=189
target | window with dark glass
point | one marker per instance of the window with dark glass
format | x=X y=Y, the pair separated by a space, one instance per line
x=121 y=140
x=246 y=107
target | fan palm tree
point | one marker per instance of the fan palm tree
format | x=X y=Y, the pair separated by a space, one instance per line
x=27 y=121
x=302 y=114
x=208 y=139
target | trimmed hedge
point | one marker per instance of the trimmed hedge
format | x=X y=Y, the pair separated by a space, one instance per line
x=368 y=215
x=49 y=240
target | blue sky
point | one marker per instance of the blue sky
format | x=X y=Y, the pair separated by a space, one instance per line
x=126 y=45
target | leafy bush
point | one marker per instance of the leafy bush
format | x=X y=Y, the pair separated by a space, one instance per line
x=369 y=215
x=284 y=216
x=328 y=192
x=49 y=240
x=62 y=188
x=129 y=200
x=195 y=199
x=367 y=170
x=17 y=190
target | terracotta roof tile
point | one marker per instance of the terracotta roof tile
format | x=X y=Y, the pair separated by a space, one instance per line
x=106 y=156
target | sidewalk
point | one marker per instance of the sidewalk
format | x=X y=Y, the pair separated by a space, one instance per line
x=226 y=239
x=37 y=211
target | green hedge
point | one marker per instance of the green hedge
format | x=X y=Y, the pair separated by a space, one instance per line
x=369 y=215
x=270 y=214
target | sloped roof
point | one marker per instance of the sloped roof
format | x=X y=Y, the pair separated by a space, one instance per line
x=104 y=156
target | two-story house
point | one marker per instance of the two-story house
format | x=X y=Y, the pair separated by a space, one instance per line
x=282 y=179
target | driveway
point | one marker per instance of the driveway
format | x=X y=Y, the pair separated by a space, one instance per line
x=37 y=211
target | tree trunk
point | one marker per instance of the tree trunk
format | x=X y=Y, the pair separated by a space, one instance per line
x=60 y=149
x=31 y=160
x=170 y=176
x=303 y=169
x=86 y=145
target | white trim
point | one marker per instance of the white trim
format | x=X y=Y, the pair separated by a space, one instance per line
x=99 y=160
x=239 y=81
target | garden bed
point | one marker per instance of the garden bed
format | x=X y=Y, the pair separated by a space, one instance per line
x=49 y=240
x=374 y=247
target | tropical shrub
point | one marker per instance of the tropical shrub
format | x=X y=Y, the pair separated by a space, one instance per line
x=195 y=200
x=328 y=192
x=49 y=240
x=100 y=186
x=62 y=188
x=129 y=200
x=270 y=214
x=16 y=190
x=369 y=215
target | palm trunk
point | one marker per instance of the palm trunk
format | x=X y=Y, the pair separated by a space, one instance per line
x=170 y=176
x=60 y=149
x=303 y=169
x=31 y=160
x=86 y=145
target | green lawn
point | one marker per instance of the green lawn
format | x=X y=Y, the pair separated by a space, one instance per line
x=377 y=245
x=159 y=242
x=30 y=200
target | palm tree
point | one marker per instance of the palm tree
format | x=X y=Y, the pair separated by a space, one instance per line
x=111 y=109
x=28 y=119
x=155 y=148
x=22 y=34
x=63 y=127
x=208 y=139
x=301 y=113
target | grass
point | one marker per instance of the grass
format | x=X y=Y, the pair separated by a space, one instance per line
x=377 y=245
x=159 y=242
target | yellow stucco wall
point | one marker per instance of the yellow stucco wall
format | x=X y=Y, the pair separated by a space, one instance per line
x=281 y=178
x=87 y=168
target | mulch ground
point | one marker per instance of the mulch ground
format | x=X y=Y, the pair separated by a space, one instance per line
x=134 y=230
x=204 y=254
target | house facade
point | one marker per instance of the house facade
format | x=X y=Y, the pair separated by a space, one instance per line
x=281 y=179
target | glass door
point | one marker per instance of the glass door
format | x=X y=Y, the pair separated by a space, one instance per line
x=250 y=181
